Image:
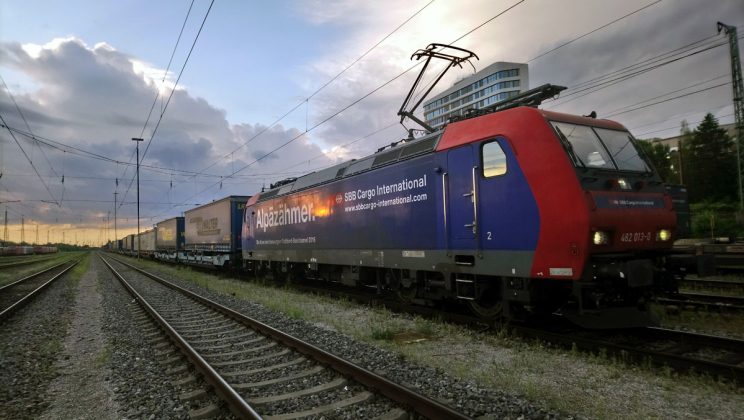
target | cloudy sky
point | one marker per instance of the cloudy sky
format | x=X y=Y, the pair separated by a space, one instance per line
x=264 y=93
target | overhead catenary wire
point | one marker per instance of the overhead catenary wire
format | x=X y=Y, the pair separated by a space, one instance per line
x=665 y=94
x=30 y=162
x=669 y=99
x=719 y=117
x=611 y=82
x=88 y=154
x=173 y=90
x=306 y=100
x=25 y=121
x=628 y=72
x=348 y=106
x=592 y=31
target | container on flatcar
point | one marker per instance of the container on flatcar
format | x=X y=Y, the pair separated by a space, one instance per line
x=147 y=242
x=681 y=205
x=213 y=231
x=170 y=238
x=129 y=244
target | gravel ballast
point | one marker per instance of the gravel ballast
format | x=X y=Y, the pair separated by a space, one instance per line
x=462 y=395
x=30 y=344
x=80 y=391
x=48 y=349
x=490 y=374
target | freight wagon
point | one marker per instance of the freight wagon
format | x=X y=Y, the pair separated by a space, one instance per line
x=213 y=233
x=147 y=242
x=170 y=239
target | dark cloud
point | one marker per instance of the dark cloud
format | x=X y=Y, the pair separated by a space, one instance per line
x=92 y=98
x=663 y=28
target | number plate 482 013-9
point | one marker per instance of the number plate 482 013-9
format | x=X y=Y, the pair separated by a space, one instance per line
x=635 y=237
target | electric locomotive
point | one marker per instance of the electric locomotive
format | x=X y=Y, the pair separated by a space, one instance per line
x=517 y=211
x=512 y=210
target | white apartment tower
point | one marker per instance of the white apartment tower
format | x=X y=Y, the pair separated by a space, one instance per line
x=498 y=81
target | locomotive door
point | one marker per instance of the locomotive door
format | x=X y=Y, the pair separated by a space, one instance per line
x=462 y=200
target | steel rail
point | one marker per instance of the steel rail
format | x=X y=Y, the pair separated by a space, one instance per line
x=26 y=299
x=422 y=404
x=717 y=283
x=235 y=402
x=29 y=277
x=660 y=358
x=711 y=303
x=28 y=262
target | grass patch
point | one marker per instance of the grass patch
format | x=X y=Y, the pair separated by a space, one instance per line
x=730 y=324
x=77 y=272
x=15 y=273
x=104 y=356
x=382 y=332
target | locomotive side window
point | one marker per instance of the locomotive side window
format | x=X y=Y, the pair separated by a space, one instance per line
x=494 y=160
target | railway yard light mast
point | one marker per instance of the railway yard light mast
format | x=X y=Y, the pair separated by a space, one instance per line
x=115 y=234
x=738 y=86
x=138 y=201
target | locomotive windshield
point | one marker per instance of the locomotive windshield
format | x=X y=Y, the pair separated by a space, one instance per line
x=594 y=147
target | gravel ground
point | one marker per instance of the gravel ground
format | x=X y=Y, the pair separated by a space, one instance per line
x=79 y=391
x=80 y=351
x=139 y=381
x=30 y=343
x=496 y=374
x=460 y=394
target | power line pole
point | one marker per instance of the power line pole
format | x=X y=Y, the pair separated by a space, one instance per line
x=116 y=236
x=738 y=101
x=5 y=231
x=23 y=230
x=138 y=140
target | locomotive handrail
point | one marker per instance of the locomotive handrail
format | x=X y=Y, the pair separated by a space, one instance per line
x=475 y=210
x=444 y=207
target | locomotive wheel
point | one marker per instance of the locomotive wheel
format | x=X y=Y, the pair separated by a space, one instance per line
x=406 y=294
x=489 y=304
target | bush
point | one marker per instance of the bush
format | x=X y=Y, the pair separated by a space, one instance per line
x=715 y=219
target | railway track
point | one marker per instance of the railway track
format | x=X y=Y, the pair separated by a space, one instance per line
x=715 y=303
x=260 y=371
x=15 y=295
x=22 y=262
x=731 y=286
x=682 y=351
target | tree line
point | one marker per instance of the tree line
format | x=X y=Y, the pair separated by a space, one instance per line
x=705 y=162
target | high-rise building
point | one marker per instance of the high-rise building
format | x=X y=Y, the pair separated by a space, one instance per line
x=498 y=81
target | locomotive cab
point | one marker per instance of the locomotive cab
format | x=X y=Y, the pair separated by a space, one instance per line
x=630 y=225
x=572 y=220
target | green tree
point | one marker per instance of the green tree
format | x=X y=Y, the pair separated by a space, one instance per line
x=709 y=163
x=660 y=156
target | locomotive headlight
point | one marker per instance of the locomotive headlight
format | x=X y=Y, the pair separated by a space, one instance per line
x=664 y=235
x=600 y=238
x=624 y=184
